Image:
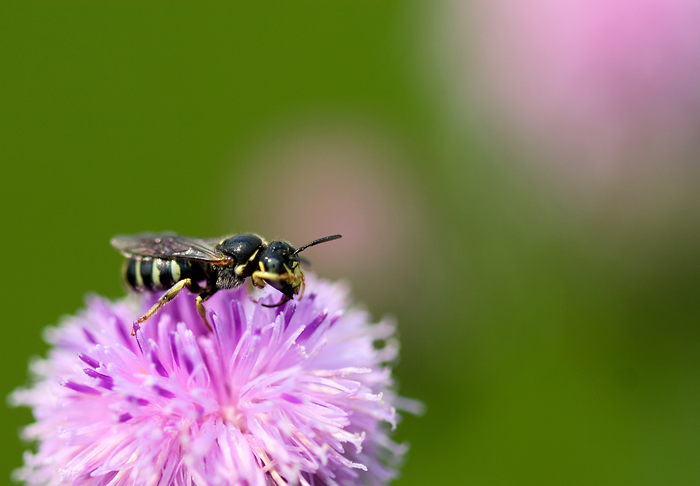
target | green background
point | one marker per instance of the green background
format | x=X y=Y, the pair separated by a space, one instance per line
x=552 y=345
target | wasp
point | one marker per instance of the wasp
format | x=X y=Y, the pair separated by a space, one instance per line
x=171 y=262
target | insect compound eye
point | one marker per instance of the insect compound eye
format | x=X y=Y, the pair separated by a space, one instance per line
x=274 y=259
x=276 y=256
x=240 y=247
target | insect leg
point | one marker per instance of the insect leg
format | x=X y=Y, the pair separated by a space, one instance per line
x=167 y=297
x=204 y=295
x=273 y=277
x=284 y=300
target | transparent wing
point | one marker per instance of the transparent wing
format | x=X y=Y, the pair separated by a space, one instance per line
x=168 y=246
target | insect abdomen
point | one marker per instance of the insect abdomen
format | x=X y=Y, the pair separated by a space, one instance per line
x=158 y=274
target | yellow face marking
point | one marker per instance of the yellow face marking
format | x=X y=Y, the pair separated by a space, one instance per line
x=175 y=270
x=155 y=273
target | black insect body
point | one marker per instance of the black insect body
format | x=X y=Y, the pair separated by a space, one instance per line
x=173 y=262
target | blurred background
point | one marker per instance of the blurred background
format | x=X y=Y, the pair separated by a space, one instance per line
x=516 y=181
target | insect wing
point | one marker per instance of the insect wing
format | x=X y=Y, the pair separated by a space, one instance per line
x=167 y=246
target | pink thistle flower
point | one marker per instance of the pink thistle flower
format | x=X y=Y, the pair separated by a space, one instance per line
x=297 y=394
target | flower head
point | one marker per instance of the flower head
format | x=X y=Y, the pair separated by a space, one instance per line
x=297 y=394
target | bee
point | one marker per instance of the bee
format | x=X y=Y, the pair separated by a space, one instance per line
x=171 y=262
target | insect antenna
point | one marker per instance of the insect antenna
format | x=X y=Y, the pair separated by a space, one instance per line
x=316 y=242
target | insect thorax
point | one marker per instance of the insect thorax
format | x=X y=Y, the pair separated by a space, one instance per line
x=242 y=248
x=226 y=278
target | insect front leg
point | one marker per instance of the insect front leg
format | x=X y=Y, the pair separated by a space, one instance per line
x=167 y=297
x=204 y=295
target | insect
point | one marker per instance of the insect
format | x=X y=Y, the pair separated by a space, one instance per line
x=171 y=262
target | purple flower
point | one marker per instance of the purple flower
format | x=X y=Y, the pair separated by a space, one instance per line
x=297 y=394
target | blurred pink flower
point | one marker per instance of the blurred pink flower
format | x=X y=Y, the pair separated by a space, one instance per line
x=596 y=83
x=349 y=179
